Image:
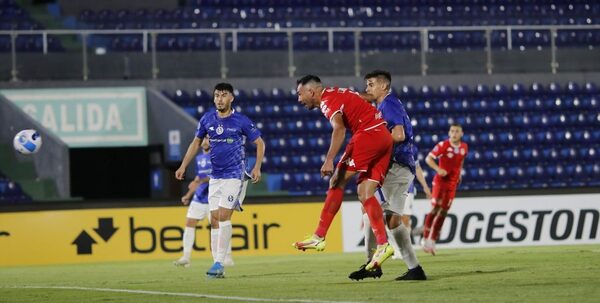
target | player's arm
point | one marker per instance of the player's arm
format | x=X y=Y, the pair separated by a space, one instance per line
x=260 y=154
x=430 y=160
x=398 y=134
x=189 y=155
x=337 y=139
x=367 y=96
x=190 y=192
x=421 y=178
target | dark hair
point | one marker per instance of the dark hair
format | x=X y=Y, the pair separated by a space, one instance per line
x=379 y=74
x=308 y=78
x=224 y=87
x=456 y=125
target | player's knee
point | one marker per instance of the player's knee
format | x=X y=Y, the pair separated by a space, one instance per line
x=189 y=222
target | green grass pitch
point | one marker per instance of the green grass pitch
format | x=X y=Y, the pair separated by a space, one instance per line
x=519 y=274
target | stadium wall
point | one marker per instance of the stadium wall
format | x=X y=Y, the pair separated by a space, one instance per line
x=268 y=83
x=51 y=162
x=207 y=64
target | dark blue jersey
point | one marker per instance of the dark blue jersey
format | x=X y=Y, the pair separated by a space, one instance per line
x=394 y=114
x=203 y=170
x=227 y=138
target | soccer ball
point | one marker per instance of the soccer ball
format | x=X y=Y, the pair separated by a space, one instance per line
x=27 y=141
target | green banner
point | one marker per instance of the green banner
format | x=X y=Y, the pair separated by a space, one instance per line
x=88 y=117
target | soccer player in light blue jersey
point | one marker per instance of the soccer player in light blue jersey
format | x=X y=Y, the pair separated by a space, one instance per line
x=398 y=179
x=197 y=199
x=227 y=131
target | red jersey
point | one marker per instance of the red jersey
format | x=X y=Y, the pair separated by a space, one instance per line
x=450 y=159
x=358 y=114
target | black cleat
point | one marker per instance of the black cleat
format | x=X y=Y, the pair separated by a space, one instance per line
x=416 y=273
x=363 y=273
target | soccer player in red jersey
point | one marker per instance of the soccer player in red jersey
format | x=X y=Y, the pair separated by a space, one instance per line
x=367 y=154
x=451 y=155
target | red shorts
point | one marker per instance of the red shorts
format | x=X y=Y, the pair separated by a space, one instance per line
x=442 y=195
x=368 y=153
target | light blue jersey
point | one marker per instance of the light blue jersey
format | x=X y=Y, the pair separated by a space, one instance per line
x=227 y=138
x=204 y=169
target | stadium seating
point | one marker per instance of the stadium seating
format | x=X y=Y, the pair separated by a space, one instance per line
x=13 y=17
x=260 y=14
x=11 y=192
x=522 y=136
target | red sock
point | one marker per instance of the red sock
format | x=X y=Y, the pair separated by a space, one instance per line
x=427 y=226
x=437 y=226
x=375 y=214
x=330 y=208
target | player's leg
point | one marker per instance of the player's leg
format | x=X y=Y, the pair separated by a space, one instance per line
x=370 y=247
x=447 y=200
x=229 y=201
x=332 y=204
x=214 y=194
x=408 y=210
x=436 y=201
x=214 y=232
x=196 y=212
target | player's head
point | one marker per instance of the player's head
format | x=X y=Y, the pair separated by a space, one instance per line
x=455 y=133
x=309 y=91
x=379 y=83
x=223 y=96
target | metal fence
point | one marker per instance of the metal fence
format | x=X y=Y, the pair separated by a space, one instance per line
x=149 y=42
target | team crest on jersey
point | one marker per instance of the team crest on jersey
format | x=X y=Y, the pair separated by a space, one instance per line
x=219 y=129
x=203 y=162
x=230 y=198
x=463 y=151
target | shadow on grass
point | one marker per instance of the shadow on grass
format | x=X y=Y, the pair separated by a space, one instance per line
x=470 y=273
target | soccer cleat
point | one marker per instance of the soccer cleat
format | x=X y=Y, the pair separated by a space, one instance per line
x=363 y=273
x=184 y=262
x=383 y=252
x=429 y=246
x=216 y=271
x=311 y=242
x=416 y=273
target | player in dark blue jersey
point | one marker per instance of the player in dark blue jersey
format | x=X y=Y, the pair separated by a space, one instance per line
x=227 y=131
x=197 y=194
x=399 y=176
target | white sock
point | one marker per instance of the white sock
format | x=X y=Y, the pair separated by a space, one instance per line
x=402 y=236
x=392 y=240
x=189 y=235
x=370 y=241
x=228 y=255
x=214 y=242
x=225 y=230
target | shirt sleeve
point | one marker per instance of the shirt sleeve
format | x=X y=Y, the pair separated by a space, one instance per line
x=331 y=105
x=394 y=114
x=201 y=129
x=437 y=150
x=249 y=130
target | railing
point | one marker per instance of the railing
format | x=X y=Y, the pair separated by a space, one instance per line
x=150 y=35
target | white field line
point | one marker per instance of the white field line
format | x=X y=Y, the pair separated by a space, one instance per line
x=175 y=294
